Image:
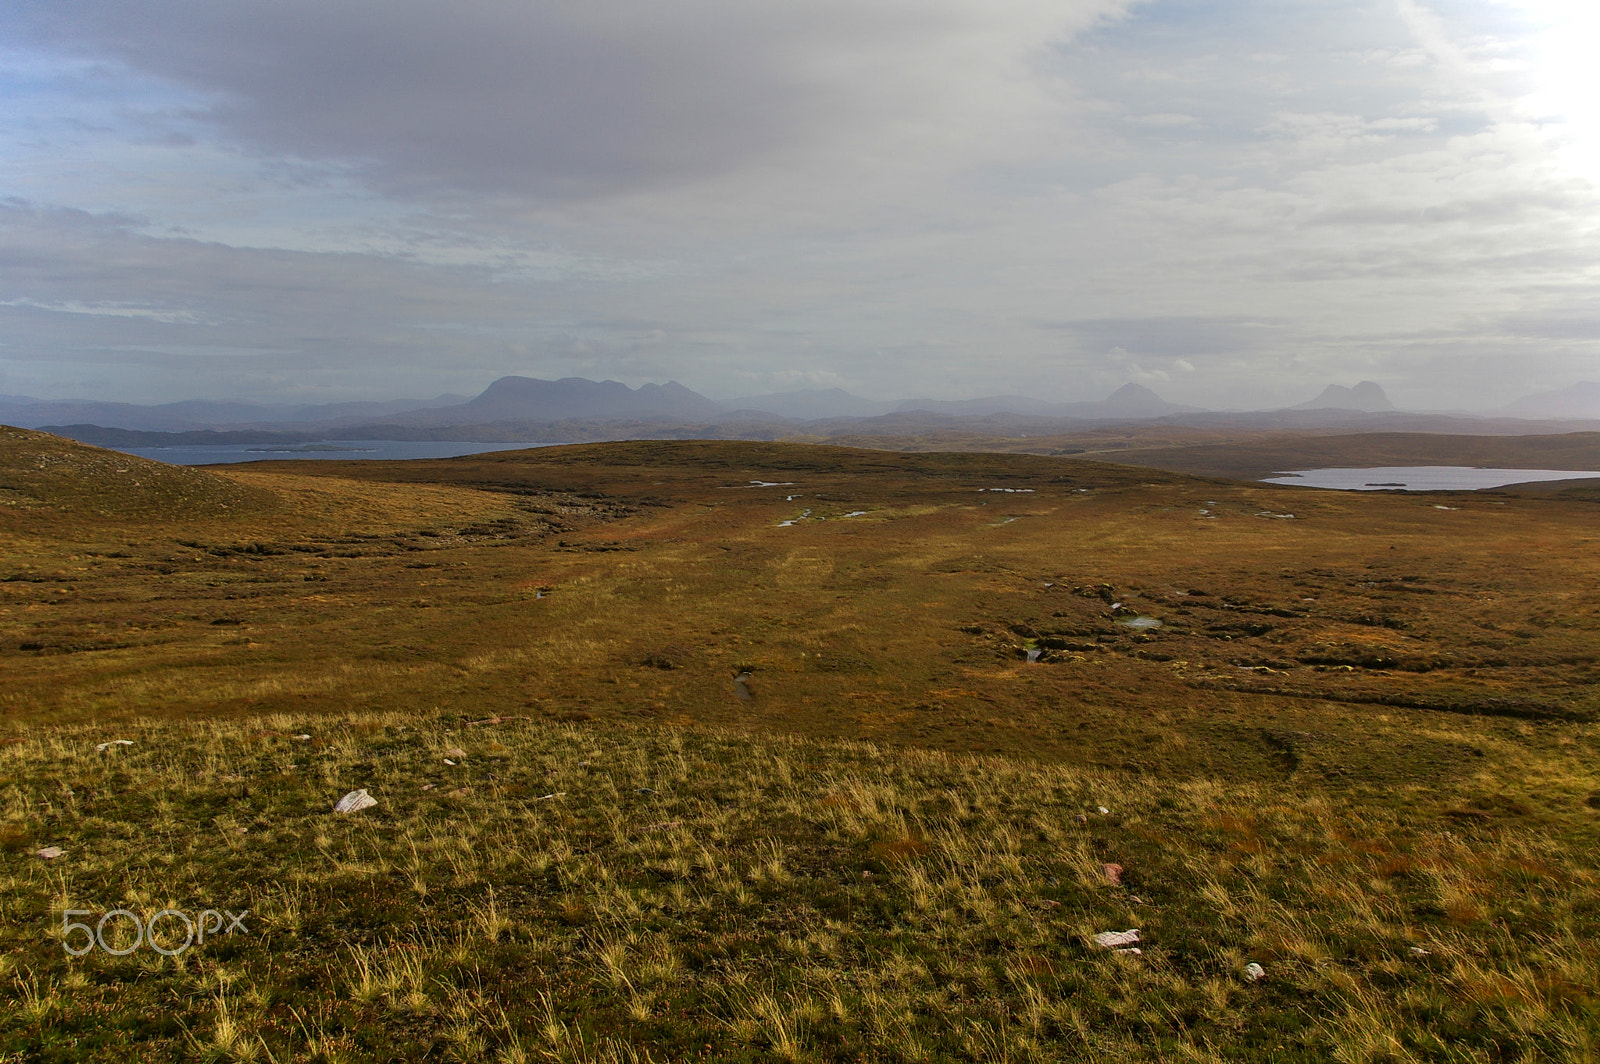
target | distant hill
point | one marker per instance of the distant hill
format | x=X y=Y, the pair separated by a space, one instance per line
x=1135 y=400
x=48 y=474
x=531 y=399
x=1581 y=400
x=810 y=404
x=1128 y=401
x=1366 y=396
x=527 y=409
x=193 y=414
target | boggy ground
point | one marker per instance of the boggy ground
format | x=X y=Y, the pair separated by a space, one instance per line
x=538 y=891
x=1414 y=673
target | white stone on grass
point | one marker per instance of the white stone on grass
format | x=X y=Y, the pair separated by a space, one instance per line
x=354 y=802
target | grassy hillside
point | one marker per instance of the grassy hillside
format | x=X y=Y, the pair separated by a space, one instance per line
x=46 y=482
x=579 y=893
x=1328 y=728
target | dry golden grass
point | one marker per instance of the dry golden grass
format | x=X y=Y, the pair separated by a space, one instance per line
x=1360 y=732
x=647 y=894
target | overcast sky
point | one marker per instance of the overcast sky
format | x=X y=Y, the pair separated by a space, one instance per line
x=1234 y=202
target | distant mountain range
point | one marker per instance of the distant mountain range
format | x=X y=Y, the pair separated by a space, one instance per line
x=1366 y=396
x=1129 y=401
x=575 y=408
x=528 y=399
x=201 y=413
x=1581 y=400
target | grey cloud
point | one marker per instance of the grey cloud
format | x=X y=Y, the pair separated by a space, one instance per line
x=549 y=99
x=1556 y=325
x=1170 y=338
x=744 y=194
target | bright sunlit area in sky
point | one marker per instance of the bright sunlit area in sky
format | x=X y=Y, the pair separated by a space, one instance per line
x=1566 y=71
x=1232 y=202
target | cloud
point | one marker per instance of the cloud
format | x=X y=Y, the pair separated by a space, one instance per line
x=1241 y=200
x=1174 y=339
x=573 y=100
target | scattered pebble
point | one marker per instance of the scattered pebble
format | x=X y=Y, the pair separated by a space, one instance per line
x=1113 y=873
x=1113 y=939
x=1418 y=951
x=1254 y=971
x=354 y=802
x=1102 y=810
x=103 y=747
x=427 y=786
x=455 y=752
x=1082 y=818
x=645 y=790
x=50 y=853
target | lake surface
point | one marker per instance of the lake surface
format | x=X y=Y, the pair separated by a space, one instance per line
x=330 y=450
x=1421 y=478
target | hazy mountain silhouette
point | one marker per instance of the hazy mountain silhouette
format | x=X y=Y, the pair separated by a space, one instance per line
x=575 y=408
x=1128 y=401
x=531 y=399
x=1366 y=396
x=810 y=404
x=1581 y=400
x=194 y=414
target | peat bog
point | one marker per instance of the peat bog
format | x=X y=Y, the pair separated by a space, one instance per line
x=820 y=790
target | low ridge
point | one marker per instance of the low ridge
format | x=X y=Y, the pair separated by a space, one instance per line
x=39 y=471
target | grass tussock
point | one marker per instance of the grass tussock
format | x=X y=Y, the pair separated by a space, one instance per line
x=637 y=894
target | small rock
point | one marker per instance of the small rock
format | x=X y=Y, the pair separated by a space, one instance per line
x=645 y=790
x=1113 y=873
x=103 y=747
x=1113 y=939
x=1135 y=950
x=354 y=802
x=1102 y=810
x=1254 y=971
x=455 y=752
x=1418 y=951
x=50 y=853
x=1082 y=819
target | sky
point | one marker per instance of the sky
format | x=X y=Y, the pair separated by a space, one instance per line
x=1233 y=202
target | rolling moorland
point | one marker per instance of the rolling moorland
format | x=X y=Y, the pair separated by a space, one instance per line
x=756 y=751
